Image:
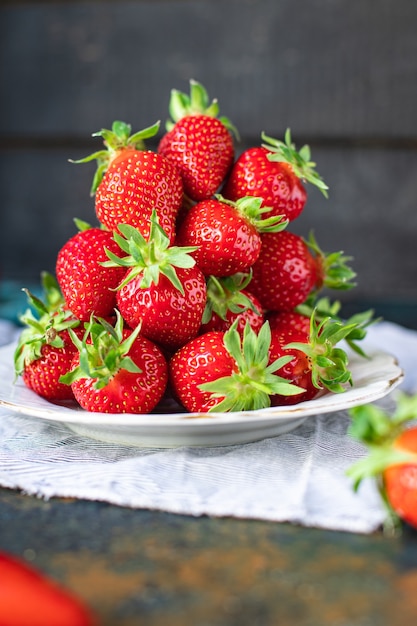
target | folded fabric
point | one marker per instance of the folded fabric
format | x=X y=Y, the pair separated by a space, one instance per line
x=299 y=477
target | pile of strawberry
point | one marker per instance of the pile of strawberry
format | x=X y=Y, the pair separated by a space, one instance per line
x=191 y=286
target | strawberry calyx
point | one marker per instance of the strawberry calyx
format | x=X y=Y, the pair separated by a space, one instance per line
x=103 y=352
x=329 y=363
x=149 y=258
x=43 y=322
x=325 y=308
x=116 y=140
x=196 y=103
x=254 y=381
x=333 y=269
x=226 y=294
x=300 y=161
x=379 y=432
x=250 y=207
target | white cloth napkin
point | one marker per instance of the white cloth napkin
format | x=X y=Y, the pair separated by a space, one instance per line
x=298 y=477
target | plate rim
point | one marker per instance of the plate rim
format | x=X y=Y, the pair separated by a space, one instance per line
x=183 y=420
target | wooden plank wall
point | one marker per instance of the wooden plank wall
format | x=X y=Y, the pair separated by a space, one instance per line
x=341 y=74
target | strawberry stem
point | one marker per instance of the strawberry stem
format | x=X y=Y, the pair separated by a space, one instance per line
x=300 y=161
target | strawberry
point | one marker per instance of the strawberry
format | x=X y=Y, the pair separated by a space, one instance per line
x=289 y=320
x=131 y=181
x=222 y=371
x=88 y=287
x=287 y=271
x=274 y=171
x=163 y=289
x=227 y=235
x=318 y=363
x=44 y=350
x=116 y=370
x=29 y=598
x=228 y=300
x=391 y=458
x=198 y=142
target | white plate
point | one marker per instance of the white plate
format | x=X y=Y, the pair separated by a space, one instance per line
x=373 y=378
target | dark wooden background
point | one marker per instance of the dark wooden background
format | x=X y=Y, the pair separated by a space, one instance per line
x=341 y=74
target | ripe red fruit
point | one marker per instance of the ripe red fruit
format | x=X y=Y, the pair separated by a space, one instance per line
x=116 y=370
x=198 y=142
x=285 y=272
x=274 y=172
x=87 y=286
x=163 y=290
x=289 y=320
x=290 y=268
x=227 y=301
x=28 y=597
x=227 y=235
x=227 y=372
x=131 y=181
x=318 y=362
x=44 y=350
x=391 y=460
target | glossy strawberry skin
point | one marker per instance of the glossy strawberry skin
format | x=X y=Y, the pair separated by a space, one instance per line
x=42 y=375
x=285 y=272
x=135 y=183
x=227 y=242
x=297 y=371
x=87 y=286
x=201 y=360
x=254 y=175
x=127 y=392
x=289 y=320
x=400 y=481
x=167 y=316
x=254 y=317
x=202 y=149
x=27 y=597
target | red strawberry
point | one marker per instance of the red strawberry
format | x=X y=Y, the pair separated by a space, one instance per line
x=287 y=271
x=318 y=363
x=392 y=455
x=226 y=372
x=88 y=287
x=163 y=290
x=116 y=370
x=135 y=181
x=228 y=300
x=29 y=598
x=274 y=172
x=45 y=351
x=284 y=321
x=198 y=142
x=227 y=235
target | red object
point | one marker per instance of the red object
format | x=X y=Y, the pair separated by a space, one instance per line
x=401 y=480
x=28 y=598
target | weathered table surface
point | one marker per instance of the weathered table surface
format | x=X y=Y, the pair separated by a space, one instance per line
x=143 y=567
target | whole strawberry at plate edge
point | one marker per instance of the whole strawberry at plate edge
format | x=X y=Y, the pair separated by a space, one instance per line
x=274 y=171
x=44 y=349
x=391 y=457
x=318 y=362
x=130 y=181
x=224 y=371
x=227 y=235
x=116 y=370
x=198 y=141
